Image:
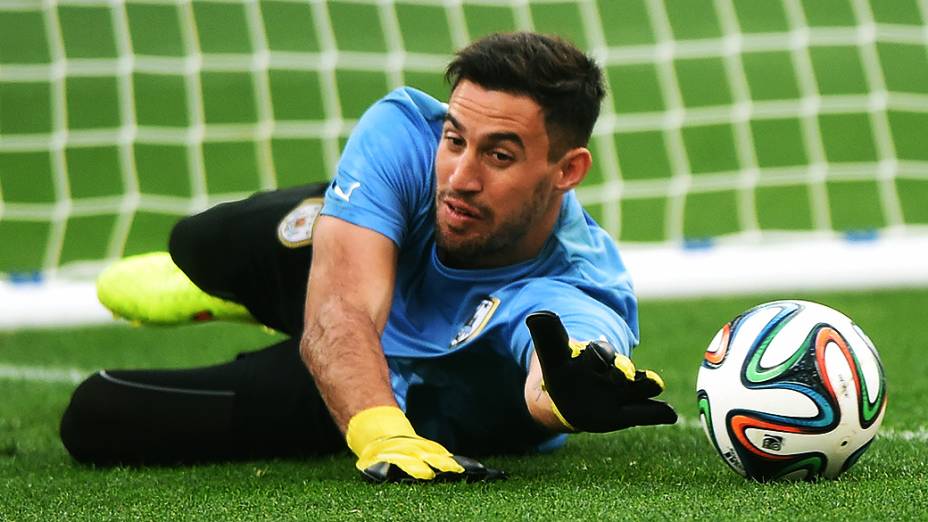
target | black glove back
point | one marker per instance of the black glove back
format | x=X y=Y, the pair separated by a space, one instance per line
x=597 y=389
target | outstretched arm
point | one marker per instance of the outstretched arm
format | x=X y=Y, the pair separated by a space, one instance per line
x=348 y=301
x=347 y=304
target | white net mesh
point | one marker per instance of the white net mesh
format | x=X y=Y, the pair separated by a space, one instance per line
x=727 y=120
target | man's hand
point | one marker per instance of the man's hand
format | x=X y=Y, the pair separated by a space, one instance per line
x=592 y=387
x=389 y=450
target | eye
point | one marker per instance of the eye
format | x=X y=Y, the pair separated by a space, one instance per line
x=454 y=140
x=501 y=156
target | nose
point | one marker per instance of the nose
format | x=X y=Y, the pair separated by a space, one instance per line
x=466 y=176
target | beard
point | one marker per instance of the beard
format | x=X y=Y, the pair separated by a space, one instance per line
x=484 y=248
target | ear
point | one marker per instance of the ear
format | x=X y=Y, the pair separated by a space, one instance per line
x=574 y=166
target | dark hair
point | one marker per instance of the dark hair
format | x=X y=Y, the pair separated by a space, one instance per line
x=566 y=83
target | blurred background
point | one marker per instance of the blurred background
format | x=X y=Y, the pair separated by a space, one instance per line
x=742 y=143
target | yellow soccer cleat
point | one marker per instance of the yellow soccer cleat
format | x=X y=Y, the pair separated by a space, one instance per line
x=151 y=289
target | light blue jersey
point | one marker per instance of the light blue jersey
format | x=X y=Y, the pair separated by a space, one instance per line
x=456 y=341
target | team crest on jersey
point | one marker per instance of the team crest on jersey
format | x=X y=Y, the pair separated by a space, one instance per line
x=296 y=228
x=475 y=324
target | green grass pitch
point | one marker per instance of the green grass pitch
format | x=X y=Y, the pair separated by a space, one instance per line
x=666 y=473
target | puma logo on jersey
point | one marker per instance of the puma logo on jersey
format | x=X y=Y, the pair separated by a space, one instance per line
x=346 y=195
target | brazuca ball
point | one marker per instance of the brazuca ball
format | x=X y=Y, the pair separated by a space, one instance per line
x=791 y=389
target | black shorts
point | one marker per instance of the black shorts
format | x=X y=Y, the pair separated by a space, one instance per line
x=236 y=251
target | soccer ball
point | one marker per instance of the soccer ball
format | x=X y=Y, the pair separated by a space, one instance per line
x=791 y=390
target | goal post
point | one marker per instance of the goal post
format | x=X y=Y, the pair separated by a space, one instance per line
x=730 y=126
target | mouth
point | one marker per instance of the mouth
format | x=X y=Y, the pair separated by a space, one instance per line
x=461 y=209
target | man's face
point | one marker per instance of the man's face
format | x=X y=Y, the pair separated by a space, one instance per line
x=495 y=187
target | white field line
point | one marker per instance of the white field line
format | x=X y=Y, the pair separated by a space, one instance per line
x=75 y=375
x=43 y=374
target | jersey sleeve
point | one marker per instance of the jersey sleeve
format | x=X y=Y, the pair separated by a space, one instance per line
x=584 y=317
x=385 y=171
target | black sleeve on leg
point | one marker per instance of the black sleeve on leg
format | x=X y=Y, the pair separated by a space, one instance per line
x=114 y=418
x=263 y=404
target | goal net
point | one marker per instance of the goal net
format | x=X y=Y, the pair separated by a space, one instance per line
x=728 y=122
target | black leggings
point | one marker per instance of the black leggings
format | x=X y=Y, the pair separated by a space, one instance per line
x=262 y=404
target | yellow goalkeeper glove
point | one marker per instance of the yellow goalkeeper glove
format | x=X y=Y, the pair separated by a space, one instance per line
x=389 y=450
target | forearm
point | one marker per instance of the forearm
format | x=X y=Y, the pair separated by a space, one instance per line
x=341 y=348
x=539 y=404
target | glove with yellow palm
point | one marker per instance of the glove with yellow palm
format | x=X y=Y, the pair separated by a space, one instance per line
x=592 y=387
x=389 y=450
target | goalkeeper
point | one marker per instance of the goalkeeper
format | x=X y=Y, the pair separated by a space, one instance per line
x=447 y=293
